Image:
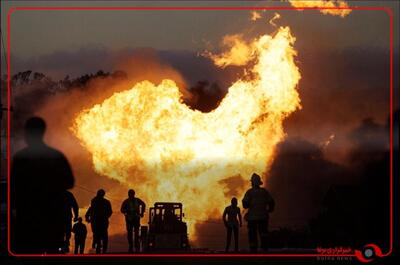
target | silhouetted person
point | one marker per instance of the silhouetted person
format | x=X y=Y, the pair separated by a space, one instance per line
x=39 y=177
x=80 y=231
x=70 y=206
x=133 y=208
x=259 y=203
x=232 y=220
x=98 y=214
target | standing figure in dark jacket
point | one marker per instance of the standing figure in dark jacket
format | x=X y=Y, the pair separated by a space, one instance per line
x=40 y=175
x=80 y=232
x=259 y=203
x=133 y=208
x=98 y=214
x=70 y=206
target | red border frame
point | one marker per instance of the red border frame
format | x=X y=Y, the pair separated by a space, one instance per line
x=370 y=8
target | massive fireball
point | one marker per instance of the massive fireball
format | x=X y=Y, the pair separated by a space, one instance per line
x=149 y=140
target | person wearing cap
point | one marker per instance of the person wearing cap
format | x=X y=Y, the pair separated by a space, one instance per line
x=259 y=203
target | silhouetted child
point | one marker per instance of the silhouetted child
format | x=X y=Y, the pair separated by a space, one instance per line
x=80 y=232
x=232 y=223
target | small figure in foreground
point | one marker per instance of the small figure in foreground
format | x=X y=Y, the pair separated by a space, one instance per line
x=80 y=231
x=259 y=203
x=232 y=223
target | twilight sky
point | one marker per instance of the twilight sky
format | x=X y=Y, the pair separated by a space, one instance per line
x=43 y=33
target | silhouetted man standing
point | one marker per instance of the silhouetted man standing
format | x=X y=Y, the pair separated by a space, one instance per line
x=232 y=221
x=98 y=214
x=133 y=208
x=39 y=177
x=259 y=203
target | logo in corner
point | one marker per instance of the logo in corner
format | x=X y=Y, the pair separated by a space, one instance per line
x=368 y=253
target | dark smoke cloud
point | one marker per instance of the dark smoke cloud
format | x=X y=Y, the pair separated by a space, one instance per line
x=299 y=178
x=91 y=59
x=337 y=90
x=61 y=63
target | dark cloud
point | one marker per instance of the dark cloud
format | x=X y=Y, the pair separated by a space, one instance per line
x=91 y=59
x=299 y=178
x=61 y=63
x=337 y=90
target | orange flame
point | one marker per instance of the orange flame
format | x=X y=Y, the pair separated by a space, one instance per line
x=274 y=18
x=239 y=52
x=255 y=15
x=324 y=3
x=149 y=140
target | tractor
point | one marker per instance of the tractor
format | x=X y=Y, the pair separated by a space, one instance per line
x=166 y=230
